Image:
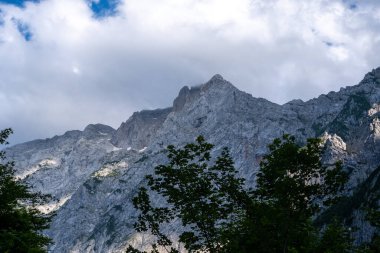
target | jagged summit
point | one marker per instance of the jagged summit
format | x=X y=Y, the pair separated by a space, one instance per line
x=138 y=131
x=87 y=170
x=185 y=95
x=218 y=82
x=373 y=76
x=216 y=77
x=375 y=71
x=188 y=94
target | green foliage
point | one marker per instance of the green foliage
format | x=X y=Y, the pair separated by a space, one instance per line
x=352 y=111
x=219 y=215
x=365 y=199
x=293 y=177
x=318 y=128
x=335 y=239
x=375 y=244
x=20 y=222
x=201 y=192
x=356 y=105
x=373 y=216
x=365 y=196
x=291 y=187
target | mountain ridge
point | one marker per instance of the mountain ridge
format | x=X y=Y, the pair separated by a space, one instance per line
x=94 y=173
x=369 y=78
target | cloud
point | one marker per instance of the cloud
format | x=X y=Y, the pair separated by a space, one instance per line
x=84 y=65
x=23 y=29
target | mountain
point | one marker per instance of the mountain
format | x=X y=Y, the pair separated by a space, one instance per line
x=94 y=174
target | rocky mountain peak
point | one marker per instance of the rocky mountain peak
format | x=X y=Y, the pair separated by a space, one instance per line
x=94 y=130
x=100 y=128
x=373 y=75
x=87 y=171
x=216 y=78
x=185 y=95
x=369 y=86
x=218 y=82
x=140 y=128
x=188 y=94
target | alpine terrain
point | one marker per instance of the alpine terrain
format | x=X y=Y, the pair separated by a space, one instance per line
x=94 y=174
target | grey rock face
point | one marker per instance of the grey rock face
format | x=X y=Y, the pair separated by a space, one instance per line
x=59 y=165
x=94 y=174
x=138 y=131
x=185 y=95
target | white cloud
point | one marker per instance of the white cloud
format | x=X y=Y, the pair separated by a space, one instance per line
x=78 y=70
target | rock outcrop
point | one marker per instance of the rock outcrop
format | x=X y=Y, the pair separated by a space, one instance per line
x=139 y=130
x=94 y=174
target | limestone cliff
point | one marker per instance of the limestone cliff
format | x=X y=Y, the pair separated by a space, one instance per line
x=93 y=174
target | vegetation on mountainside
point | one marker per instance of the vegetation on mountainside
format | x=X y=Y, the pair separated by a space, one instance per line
x=218 y=214
x=20 y=221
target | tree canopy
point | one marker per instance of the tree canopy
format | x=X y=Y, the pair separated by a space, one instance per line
x=201 y=192
x=20 y=221
x=219 y=214
x=292 y=186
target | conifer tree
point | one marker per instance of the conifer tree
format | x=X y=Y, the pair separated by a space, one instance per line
x=20 y=221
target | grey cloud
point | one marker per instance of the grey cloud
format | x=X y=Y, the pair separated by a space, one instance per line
x=79 y=70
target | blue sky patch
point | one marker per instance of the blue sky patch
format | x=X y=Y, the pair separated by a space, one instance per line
x=24 y=29
x=351 y=4
x=103 y=8
x=19 y=3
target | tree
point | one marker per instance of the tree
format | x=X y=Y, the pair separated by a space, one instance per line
x=373 y=216
x=203 y=193
x=335 y=239
x=219 y=215
x=292 y=185
x=20 y=221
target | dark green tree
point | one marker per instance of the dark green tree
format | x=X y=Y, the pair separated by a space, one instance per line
x=219 y=215
x=373 y=216
x=20 y=222
x=335 y=239
x=292 y=186
x=203 y=193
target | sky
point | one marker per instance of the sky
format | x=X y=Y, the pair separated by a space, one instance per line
x=66 y=64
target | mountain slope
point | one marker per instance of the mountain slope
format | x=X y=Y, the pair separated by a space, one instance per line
x=95 y=173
